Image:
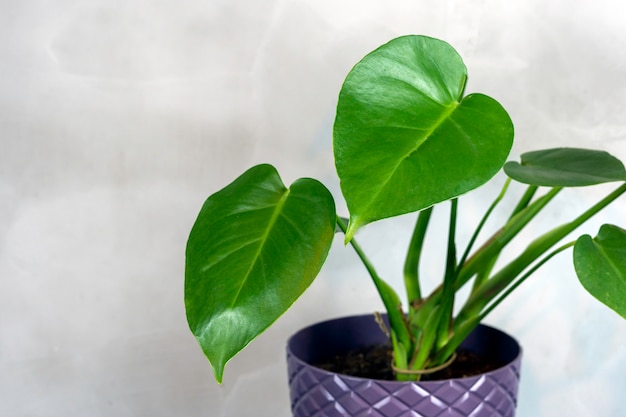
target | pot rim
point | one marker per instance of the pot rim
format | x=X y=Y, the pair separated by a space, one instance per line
x=495 y=331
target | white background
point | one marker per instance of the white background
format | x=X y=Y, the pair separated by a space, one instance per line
x=118 y=118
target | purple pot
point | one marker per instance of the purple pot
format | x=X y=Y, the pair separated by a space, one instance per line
x=315 y=392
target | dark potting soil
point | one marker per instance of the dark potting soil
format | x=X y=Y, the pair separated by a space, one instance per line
x=374 y=362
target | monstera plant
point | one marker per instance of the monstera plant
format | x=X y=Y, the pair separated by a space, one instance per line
x=406 y=139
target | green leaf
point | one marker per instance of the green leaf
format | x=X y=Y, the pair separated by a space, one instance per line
x=566 y=167
x=254 y=249
x=405 y=139
x=601 y=266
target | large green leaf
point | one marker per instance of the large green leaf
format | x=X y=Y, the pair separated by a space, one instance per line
x=255 y=247
x=405 y=139
x=566 y=167
x=601 y=266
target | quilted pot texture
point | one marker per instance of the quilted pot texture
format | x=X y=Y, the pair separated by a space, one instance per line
x=315 y=392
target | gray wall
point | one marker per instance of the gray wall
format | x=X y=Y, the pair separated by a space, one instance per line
x=118 y=118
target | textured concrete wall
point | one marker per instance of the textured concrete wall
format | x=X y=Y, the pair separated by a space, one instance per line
x=118 y=118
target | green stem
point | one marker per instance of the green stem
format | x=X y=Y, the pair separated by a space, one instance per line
x=411 y=265
x=388 y=296
x=485 y=272
x=427 y=340
x=499 y=197
x=465 y=327
x=497 y=242
x=538 y=247
x=525 y=200
x=481 y=259
x=445 y=321
x=483 y=221
x=523 y=278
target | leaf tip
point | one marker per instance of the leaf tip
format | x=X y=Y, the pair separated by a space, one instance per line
x=218 y=372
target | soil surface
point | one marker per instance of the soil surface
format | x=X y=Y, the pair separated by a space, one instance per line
x=374 y=362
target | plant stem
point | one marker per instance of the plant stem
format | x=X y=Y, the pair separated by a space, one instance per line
x=525 y=200
x=483 y=221
x=447 y=298
x=482 y=261
x=485 y=272
x=523 y=278
x=465 y=328
x=388 y=296
x=537 y=247
x=500 y=239
x=411 y=265
x=426 y=341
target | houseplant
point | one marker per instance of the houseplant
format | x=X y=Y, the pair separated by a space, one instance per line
x=406 y=139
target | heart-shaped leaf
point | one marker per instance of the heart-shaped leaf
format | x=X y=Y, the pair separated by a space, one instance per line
x=566 y=167
x=254 y=249
x=601 y=266
x=405 y=139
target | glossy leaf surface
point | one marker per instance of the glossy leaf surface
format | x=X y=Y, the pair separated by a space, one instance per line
x=566 y=167
x=255 y=247
x=405 y=138
x=601 y=266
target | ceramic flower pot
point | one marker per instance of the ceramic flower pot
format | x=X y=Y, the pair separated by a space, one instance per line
x=315 y=392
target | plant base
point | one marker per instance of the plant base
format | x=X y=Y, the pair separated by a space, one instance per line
x=315 y=392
